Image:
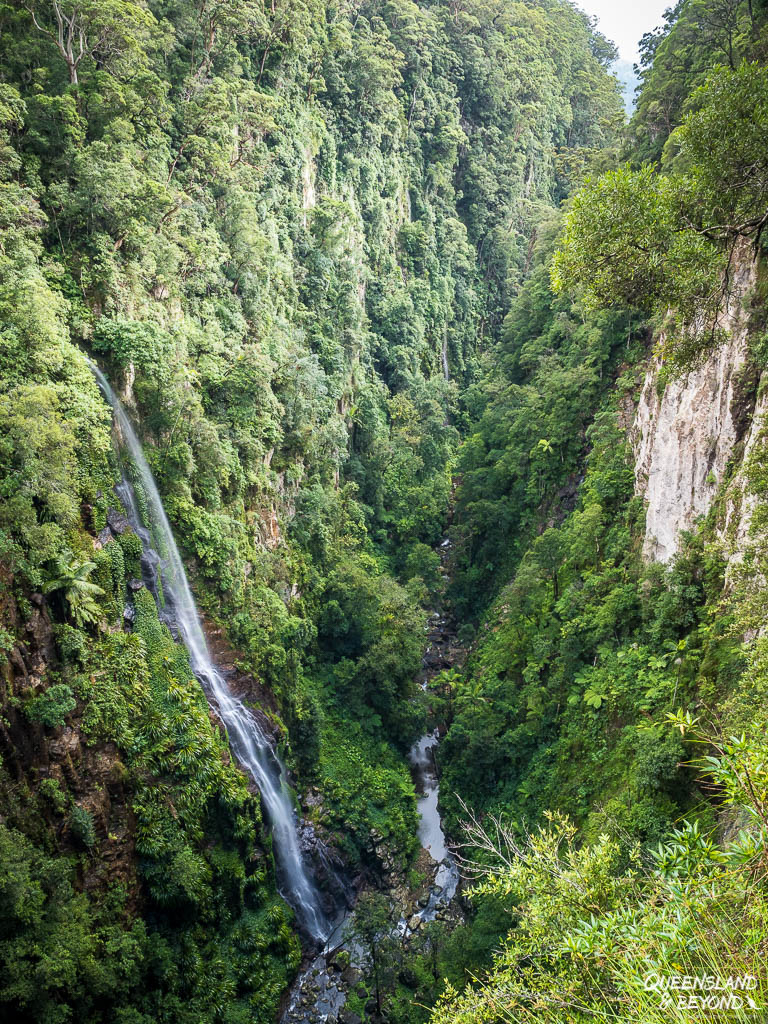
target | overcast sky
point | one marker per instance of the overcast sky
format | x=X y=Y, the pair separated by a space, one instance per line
x=625 y=21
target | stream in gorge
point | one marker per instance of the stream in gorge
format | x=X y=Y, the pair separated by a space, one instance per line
x=320 y=991
x=319 y=994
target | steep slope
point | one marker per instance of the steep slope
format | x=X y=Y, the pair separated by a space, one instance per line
x=606 y=741
x=284 y=231
x=686 y=430
x=588 y=635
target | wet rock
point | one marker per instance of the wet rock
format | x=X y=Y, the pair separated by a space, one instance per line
x=434 y=659
x=135 y=585
x=129 y=613
x=414 y=922
x=65 y=745
x=38 y=634
x=103 y=537
x=313 y=797
x=351 y=976
x=348 y=1017
x=341 y=960
x=117 y=522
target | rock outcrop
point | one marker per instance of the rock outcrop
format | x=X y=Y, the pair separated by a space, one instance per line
x=685 y=433
x=741 y=501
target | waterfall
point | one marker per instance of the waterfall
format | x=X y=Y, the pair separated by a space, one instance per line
x=249 y=742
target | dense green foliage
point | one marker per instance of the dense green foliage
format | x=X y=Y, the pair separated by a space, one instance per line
x=317 y=249
x=284 y=230
x=598 y=933
x=677 y=58
x=583 y=643
x=586 y=652
x=531 y=410
x=671 y=241
x=195 y=830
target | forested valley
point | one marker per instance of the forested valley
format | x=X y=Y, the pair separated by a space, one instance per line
x=379 y=404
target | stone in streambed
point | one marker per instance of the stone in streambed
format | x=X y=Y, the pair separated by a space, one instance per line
x=350 y=976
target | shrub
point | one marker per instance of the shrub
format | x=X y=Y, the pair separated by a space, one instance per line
x=7 y=642
x=71 y=642
x=131 y=546
x=52 y=707
x=52 y=793
x=81 y=826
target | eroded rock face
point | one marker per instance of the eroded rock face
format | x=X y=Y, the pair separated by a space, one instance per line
x=90 y=773
x=684 y=435
x=741 y=502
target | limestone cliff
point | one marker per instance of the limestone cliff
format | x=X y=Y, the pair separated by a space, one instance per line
x=685 y=433
x=735 y=526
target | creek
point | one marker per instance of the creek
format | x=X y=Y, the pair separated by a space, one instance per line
x=320 y=991
x=319 y=994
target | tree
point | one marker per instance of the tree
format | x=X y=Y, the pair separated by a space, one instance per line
x=627 y=244
x=668 y=241
x=372 y=928
x=621 y=239
x=724 y=142
x=102 y=30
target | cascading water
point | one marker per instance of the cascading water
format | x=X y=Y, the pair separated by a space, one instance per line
x=247 y=739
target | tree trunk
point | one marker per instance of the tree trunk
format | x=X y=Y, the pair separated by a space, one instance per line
x=376 y=982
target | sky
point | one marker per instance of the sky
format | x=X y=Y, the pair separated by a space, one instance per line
x=625 y=21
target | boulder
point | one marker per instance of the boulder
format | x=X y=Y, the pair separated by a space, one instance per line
x=351 y=976
x=117 y=522
x=104 y=537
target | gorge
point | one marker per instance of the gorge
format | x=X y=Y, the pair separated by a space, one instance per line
x=383 y=512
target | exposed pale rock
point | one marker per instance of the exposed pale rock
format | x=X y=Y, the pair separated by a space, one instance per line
x=741 y=501
x=683 y=438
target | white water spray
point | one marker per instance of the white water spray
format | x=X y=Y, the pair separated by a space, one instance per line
x=247 y=739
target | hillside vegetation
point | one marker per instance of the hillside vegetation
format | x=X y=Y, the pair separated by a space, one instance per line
x=358 y=270
x=284 y=231
x=616 y=693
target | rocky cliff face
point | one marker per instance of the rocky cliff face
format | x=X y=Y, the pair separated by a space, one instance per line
x=685 y=433
x=92 y=774
x=735 y=527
